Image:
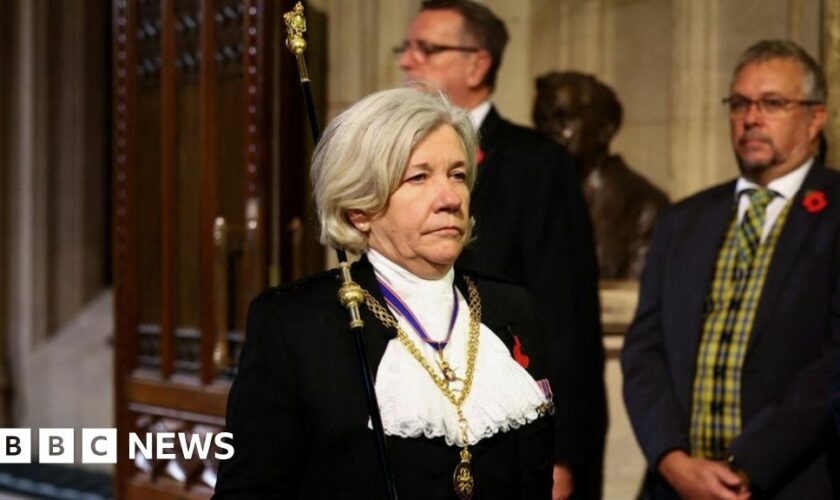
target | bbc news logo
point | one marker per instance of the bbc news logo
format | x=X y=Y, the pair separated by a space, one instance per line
x=99 y=445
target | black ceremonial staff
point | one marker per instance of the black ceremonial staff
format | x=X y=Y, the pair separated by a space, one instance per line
x=350 y=294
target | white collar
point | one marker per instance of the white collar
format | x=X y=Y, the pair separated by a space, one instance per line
x=430 y=300
x=504 y=396
x=402 y=280
x=786 y=186
x=479 y=113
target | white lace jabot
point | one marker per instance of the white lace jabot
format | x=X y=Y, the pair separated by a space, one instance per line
x=503 y=396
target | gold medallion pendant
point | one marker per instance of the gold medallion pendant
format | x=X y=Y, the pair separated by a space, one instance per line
x=462 y=477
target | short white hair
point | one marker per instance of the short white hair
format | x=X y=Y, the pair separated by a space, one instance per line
x=364 y=152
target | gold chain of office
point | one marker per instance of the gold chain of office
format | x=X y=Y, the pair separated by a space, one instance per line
x=387 y=319
x=462 y=478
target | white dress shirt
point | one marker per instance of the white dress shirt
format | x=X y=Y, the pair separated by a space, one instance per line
x=479 y=113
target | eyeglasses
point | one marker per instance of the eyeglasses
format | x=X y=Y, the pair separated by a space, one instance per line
x=424 y=50
x=769 y=106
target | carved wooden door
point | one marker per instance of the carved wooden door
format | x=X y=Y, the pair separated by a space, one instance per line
x=209 y=208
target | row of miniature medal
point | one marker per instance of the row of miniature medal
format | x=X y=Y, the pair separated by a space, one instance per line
x=462 y=477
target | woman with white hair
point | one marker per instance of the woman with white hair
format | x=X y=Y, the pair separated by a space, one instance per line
x=461 y=377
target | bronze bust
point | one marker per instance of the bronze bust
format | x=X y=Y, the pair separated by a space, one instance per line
x=583 y=114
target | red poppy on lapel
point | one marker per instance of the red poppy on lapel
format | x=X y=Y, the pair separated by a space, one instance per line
x=518 y=355
x=815 y=202
x=479 y=157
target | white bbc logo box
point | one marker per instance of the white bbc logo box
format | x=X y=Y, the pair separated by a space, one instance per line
x=99 y=446
x=15 y=446
x=56 y=446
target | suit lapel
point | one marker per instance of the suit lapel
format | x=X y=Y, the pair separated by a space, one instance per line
x=798 y=226
x=489 y=129
x=693 y=277
x=489 y=144
x=377 y=335
x=490 y=316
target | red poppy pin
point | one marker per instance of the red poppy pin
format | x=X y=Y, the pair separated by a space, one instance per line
x=518 y=355
x=815 y=202
x=479 y=157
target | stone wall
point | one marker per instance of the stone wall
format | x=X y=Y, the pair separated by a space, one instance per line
x=669 y=60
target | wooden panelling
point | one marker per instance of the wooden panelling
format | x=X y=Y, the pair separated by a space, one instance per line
x=187 y=199
x=195 y=118
x=144 y=489
x=188 y=180
x=230 y=146
x=181 y=475
x=168 y=163
x=124 y=216
x=179 y=395
x=209 y=192
x=257 y=71
x=147 y=116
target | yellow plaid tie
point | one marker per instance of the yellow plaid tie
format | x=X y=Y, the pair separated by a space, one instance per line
x=752 y=225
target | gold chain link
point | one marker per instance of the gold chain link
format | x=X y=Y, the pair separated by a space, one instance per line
x=387 y=319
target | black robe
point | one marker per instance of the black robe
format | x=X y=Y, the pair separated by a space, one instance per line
x=300 y=423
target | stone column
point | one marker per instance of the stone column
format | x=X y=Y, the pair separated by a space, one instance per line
x=514 y=88
x=7 y=33
x=697 y=117
x=361 y=34
x=77 y=168
x=27 y=230
x=831 y=66
x=565 y=35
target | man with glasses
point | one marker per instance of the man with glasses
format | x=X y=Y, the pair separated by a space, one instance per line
x=728 y=362
x=532 y=226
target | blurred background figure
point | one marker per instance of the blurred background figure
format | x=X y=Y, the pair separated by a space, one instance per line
x=583 y=114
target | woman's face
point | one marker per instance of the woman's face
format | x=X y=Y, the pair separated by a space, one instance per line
x=424 y=225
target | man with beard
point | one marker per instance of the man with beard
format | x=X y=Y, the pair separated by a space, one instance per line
x=728 y=362
x=531 y=225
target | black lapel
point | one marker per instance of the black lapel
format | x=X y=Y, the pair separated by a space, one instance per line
x=797 y=227
x=377 y=335
x=489 y=311
x=693 y=276
x=502 y=325
x=489 y=142
x=489 y=130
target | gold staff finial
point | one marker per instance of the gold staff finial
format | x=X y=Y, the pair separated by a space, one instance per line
x=295 y=28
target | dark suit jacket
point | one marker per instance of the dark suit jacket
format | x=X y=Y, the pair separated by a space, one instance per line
x=299 y=419
x=835 y=394
x=787 y=445
x=533 y=228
